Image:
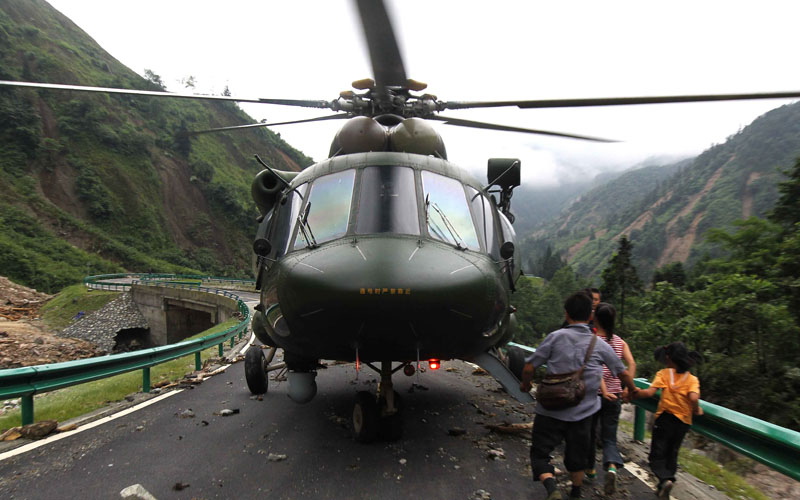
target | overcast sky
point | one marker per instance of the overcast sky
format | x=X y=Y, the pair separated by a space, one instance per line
x=479 y=50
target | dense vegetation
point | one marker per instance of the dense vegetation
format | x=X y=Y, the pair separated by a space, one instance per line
x=103 y=183
x=741 y=310
x=668 y=210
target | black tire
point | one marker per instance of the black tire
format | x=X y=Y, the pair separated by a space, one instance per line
x=365 y=417
x=255 y=370
x=516 y=361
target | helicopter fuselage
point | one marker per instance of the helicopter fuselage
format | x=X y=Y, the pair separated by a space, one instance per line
x=384 y=256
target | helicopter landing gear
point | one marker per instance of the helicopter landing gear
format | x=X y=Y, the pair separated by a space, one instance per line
x=379 y=415
x=256 y=367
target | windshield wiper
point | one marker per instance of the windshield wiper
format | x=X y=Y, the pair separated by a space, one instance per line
x=447 y=224
x=305 y=228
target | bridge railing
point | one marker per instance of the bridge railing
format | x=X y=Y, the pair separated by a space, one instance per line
x=772 y=445
x=28 y=381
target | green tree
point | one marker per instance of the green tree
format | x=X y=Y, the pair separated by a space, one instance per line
x=673 y=273
x=620 y=280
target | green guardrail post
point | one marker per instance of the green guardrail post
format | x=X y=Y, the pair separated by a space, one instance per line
x=27 y=409
x=232 y=340
x=146 y=379
x=198 y=363
x=639 y=420
x=221 y=348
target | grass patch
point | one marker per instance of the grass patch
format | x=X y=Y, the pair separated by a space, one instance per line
x=70 y=402
x=57 y=314
x=714 y=474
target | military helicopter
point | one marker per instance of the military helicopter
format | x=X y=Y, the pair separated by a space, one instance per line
x=386 y=254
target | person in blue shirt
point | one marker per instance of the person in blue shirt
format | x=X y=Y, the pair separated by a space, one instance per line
x=564 y=351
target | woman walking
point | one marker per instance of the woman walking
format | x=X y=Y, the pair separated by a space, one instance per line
x=607 y=418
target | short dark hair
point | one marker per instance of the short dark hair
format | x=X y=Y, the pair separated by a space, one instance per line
x=579 y=306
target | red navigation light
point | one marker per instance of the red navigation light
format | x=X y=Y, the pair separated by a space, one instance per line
x=434 y=364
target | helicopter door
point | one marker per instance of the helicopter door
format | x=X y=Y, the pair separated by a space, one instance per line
x=286 y=219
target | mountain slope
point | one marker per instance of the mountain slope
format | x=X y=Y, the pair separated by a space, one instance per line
x=667 y=223
x=96 y=183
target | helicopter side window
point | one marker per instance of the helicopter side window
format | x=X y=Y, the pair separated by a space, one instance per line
x=447 y=211
x=487 y=231
x=388 y=201
x=326 y=214
x=287 y=219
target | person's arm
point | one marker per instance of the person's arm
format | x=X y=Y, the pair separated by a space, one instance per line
x=527 y=376
x=627 y=356
x=626 y=379
x=645 y=393
x=694 y=398
x=604 y=390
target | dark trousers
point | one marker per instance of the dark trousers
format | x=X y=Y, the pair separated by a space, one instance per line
x=607 y=419
x=668 y=433
x=549 y=432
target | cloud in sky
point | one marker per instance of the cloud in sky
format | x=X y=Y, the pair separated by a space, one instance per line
x=474 y=50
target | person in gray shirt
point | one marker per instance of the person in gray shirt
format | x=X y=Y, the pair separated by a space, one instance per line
x=563 y=351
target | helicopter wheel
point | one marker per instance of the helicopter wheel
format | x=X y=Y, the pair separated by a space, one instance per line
x=365 y=417
x=255 y=371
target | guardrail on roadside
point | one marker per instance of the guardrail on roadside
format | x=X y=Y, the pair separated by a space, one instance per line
x=770 y=444
x=28 y=381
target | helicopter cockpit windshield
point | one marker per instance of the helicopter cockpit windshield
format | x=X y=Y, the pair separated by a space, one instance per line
x=385 y=199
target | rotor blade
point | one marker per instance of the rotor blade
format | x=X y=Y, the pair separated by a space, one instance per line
x=254 y=125
x=152 y=93
x=387 y=64
x=619 y=101
x=508 y=128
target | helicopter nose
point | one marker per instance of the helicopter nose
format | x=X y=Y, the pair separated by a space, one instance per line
x=389 y=287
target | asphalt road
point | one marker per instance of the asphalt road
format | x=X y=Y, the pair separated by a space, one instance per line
x=241 y=456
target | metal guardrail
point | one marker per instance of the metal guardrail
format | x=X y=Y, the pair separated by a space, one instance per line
x=28 y=381
x=772 y=445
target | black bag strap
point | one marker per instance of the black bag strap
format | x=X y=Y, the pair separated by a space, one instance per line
x=588 y=353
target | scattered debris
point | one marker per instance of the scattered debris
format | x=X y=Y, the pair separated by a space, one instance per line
x=179 y=486
x=496 y=454
x=67 y=428
x=188 y=413
x=136 y=492
x=481 y=495
x=518 y=429
x=275 y=457
x=403 y=461
x=36 y=430
x=227 y=412
x=480 y=371
x=456 y=431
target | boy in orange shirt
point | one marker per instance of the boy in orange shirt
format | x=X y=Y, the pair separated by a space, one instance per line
x=680 y=396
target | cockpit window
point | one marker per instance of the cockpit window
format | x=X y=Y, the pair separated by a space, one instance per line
x=482 y=208
x=325 y=215
x=388 y=201
x=447 y=212
x=287 y=218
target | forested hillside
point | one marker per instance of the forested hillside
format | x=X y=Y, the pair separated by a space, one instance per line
x=97 y=183
x=667 y=219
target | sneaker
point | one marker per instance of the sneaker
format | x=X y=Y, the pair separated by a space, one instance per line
x=665 y=489
x=610 y=485
x=555 y=495
x=590 y=474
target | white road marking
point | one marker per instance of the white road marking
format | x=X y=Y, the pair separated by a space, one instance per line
x=642 y=475
x=32 y=446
